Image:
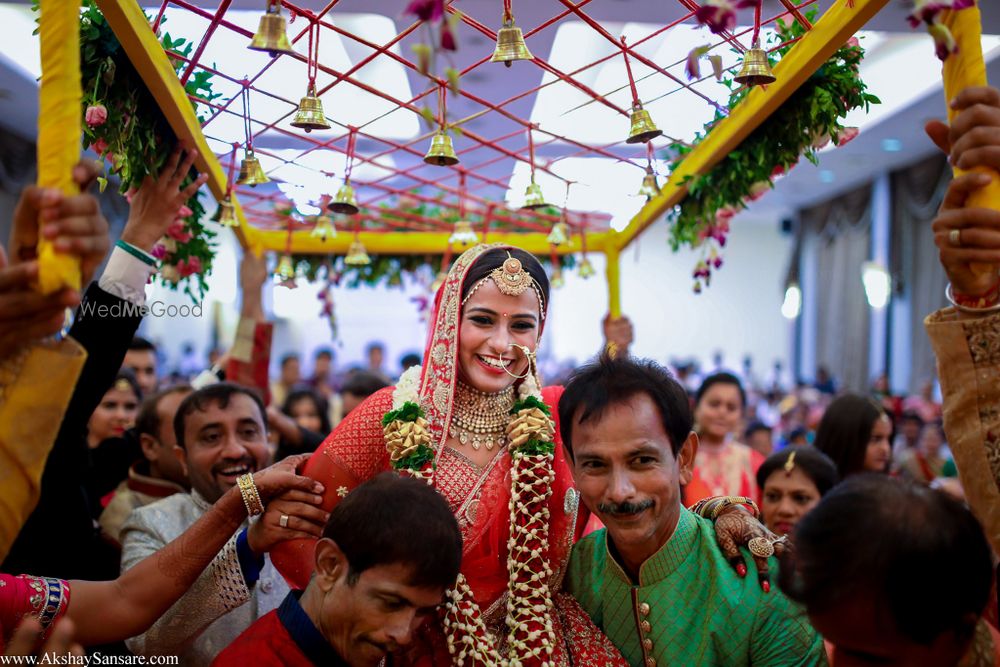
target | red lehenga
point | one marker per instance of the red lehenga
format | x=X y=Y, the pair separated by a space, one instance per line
x=356 y=451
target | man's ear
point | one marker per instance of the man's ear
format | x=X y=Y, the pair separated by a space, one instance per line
x=150 y=447
x=330 y=563
x=685 y=458
x=181 y=455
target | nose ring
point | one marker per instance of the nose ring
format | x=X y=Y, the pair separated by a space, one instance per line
x=527 y=353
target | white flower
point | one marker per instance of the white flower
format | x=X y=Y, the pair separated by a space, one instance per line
x=407 y=389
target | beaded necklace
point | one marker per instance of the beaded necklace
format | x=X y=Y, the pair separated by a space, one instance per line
x=480 y=418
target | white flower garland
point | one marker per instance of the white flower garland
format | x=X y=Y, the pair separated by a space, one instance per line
x=530 y=633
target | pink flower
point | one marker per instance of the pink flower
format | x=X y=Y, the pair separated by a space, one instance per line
x=693 y=67
x=159 y=251
x=847 y=136
x=448 y=38
x=426 y=10
x=853 y=42
x=100 y=147
x=189 y=266
x=178 y=232
x=184 y=212
x=944 y=41
x=759 y=189
x=96 y=115
x=718 y=15
x=926 y=11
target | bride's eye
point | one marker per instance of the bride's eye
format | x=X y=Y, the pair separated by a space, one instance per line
x=480 y=319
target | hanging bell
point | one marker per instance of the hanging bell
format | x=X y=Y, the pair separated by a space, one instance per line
x=756 y=70
x=510 y=45
x=463 y=234
x=286 y=268
x=323 y=229
x=344 y=202
x=650 y=188
x=271 y=33
x=309 y=115
x=357 y=255
x=227 y=213
x=558 y=235
x=251 y=173
x=533 y=197
x=586 y=269
x=642 y=129
x=441 y=153
x=557 y=280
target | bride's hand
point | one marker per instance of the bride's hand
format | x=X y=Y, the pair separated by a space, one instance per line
x=281 y=476
x=736 y=527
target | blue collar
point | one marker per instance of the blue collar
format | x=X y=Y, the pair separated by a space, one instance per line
x=305 y=635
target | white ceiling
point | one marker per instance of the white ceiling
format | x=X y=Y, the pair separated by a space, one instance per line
x=900 y=69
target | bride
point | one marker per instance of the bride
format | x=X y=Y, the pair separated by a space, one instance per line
x=474 y=423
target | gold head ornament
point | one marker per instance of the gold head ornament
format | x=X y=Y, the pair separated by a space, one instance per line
x=121 y=384
x=790 y=464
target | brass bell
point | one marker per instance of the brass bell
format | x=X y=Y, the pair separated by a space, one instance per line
x=463 y=234
x=251 y=173
x=510 y=45
x=642 y=129
x=286 y=268
x=309 y=115
x=558 y=235
x=271 y=33
x=441 y=152
x=650 y=188
x=227 y=213
x=586 y=269
x=557 y=280
x=533 y=197
x=756 y=70
x=323 y=229
x=344 y=202
x=357 y=255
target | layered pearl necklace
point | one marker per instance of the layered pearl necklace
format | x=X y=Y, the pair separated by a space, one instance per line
x=480 y=418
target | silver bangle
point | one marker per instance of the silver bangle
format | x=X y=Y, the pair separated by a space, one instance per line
x=949 y=294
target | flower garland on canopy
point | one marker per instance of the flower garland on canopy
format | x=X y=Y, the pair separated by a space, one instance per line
x=124 y=125
x=805 y=123
x=530 y=434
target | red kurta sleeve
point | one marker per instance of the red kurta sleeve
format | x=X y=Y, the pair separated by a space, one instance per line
x=355 y=452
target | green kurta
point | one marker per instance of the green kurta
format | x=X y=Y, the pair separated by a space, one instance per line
x=690 y=607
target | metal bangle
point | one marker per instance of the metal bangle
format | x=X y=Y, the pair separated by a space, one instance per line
x=949 y=294
x=251 y=498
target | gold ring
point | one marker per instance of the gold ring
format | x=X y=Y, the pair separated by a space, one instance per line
x=955 y=238
x=283 y=521
x=761 y=547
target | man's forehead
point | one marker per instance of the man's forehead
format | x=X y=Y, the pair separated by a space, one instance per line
x=239 y=407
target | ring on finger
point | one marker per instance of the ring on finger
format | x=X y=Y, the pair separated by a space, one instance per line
x=283 y=521
x=955 y=238
x=761 y=547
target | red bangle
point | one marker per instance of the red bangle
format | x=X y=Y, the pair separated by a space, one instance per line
x=990 y=298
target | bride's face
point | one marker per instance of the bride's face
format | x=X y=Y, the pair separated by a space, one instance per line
x=491 y=321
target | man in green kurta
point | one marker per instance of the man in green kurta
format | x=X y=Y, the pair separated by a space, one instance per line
x=654 y=580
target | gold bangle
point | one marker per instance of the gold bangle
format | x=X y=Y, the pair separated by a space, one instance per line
x=734 y=500
x=251 y=498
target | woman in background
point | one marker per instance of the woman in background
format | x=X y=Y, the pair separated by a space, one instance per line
x=792 y=482
x=722 y=466
x=855 y=433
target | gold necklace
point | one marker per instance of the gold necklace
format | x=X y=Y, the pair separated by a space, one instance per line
x=480 y=418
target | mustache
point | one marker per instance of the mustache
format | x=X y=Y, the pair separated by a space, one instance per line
x=626 y=508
